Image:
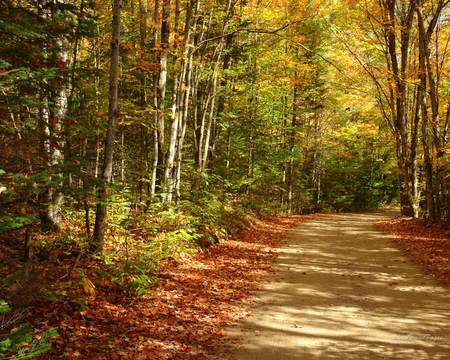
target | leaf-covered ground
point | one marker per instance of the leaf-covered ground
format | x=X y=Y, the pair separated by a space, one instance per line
x=184 y=316
x=427 y=244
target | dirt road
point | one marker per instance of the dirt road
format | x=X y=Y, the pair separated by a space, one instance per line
x=342 y=291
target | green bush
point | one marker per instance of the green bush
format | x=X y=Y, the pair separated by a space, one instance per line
x=20 y=343
x=141 y=240
x=133 y=268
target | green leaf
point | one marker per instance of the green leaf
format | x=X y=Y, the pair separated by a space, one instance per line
x=4 y=307
x=5 y=345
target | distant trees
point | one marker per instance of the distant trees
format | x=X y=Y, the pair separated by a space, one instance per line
x=241 y=99
x=412 y=37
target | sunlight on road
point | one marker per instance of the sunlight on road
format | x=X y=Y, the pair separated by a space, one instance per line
x=343 y=292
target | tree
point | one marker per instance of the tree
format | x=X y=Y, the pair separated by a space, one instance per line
x=113 y=114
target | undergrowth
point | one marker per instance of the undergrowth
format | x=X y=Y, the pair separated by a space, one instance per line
x=59 y=271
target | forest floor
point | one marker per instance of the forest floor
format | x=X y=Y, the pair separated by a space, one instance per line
x=183 y=316
x=427 y=244
x=343 y=290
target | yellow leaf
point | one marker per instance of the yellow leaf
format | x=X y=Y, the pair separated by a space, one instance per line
x=88 y=286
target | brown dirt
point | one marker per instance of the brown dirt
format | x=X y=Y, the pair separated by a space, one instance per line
x=343 y=291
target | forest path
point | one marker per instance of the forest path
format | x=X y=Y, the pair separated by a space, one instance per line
x=342 y=291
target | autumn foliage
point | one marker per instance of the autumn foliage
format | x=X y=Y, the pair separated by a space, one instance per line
x=183 y=316
x=137 y=137
x=428 y=244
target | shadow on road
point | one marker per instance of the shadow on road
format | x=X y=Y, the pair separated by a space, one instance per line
x=342 y=291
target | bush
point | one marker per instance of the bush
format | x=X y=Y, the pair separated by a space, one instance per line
x=20 y=342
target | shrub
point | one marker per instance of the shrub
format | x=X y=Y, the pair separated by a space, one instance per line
x=20 y=343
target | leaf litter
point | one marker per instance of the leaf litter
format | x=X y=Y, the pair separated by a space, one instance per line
x=428 y=244
x=182 y=317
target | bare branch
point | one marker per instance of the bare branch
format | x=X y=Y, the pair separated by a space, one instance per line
x=248 y=30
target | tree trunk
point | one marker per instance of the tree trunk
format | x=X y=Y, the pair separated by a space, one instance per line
x=155 y=32
x=161 y=92
x=113 y=114
x=53 y=118
x=426 y=73
x=428 y=167
x=179 y=93
x=397 y=64
x=290 y=165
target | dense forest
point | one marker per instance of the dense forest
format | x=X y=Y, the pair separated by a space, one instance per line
x=134 y=130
